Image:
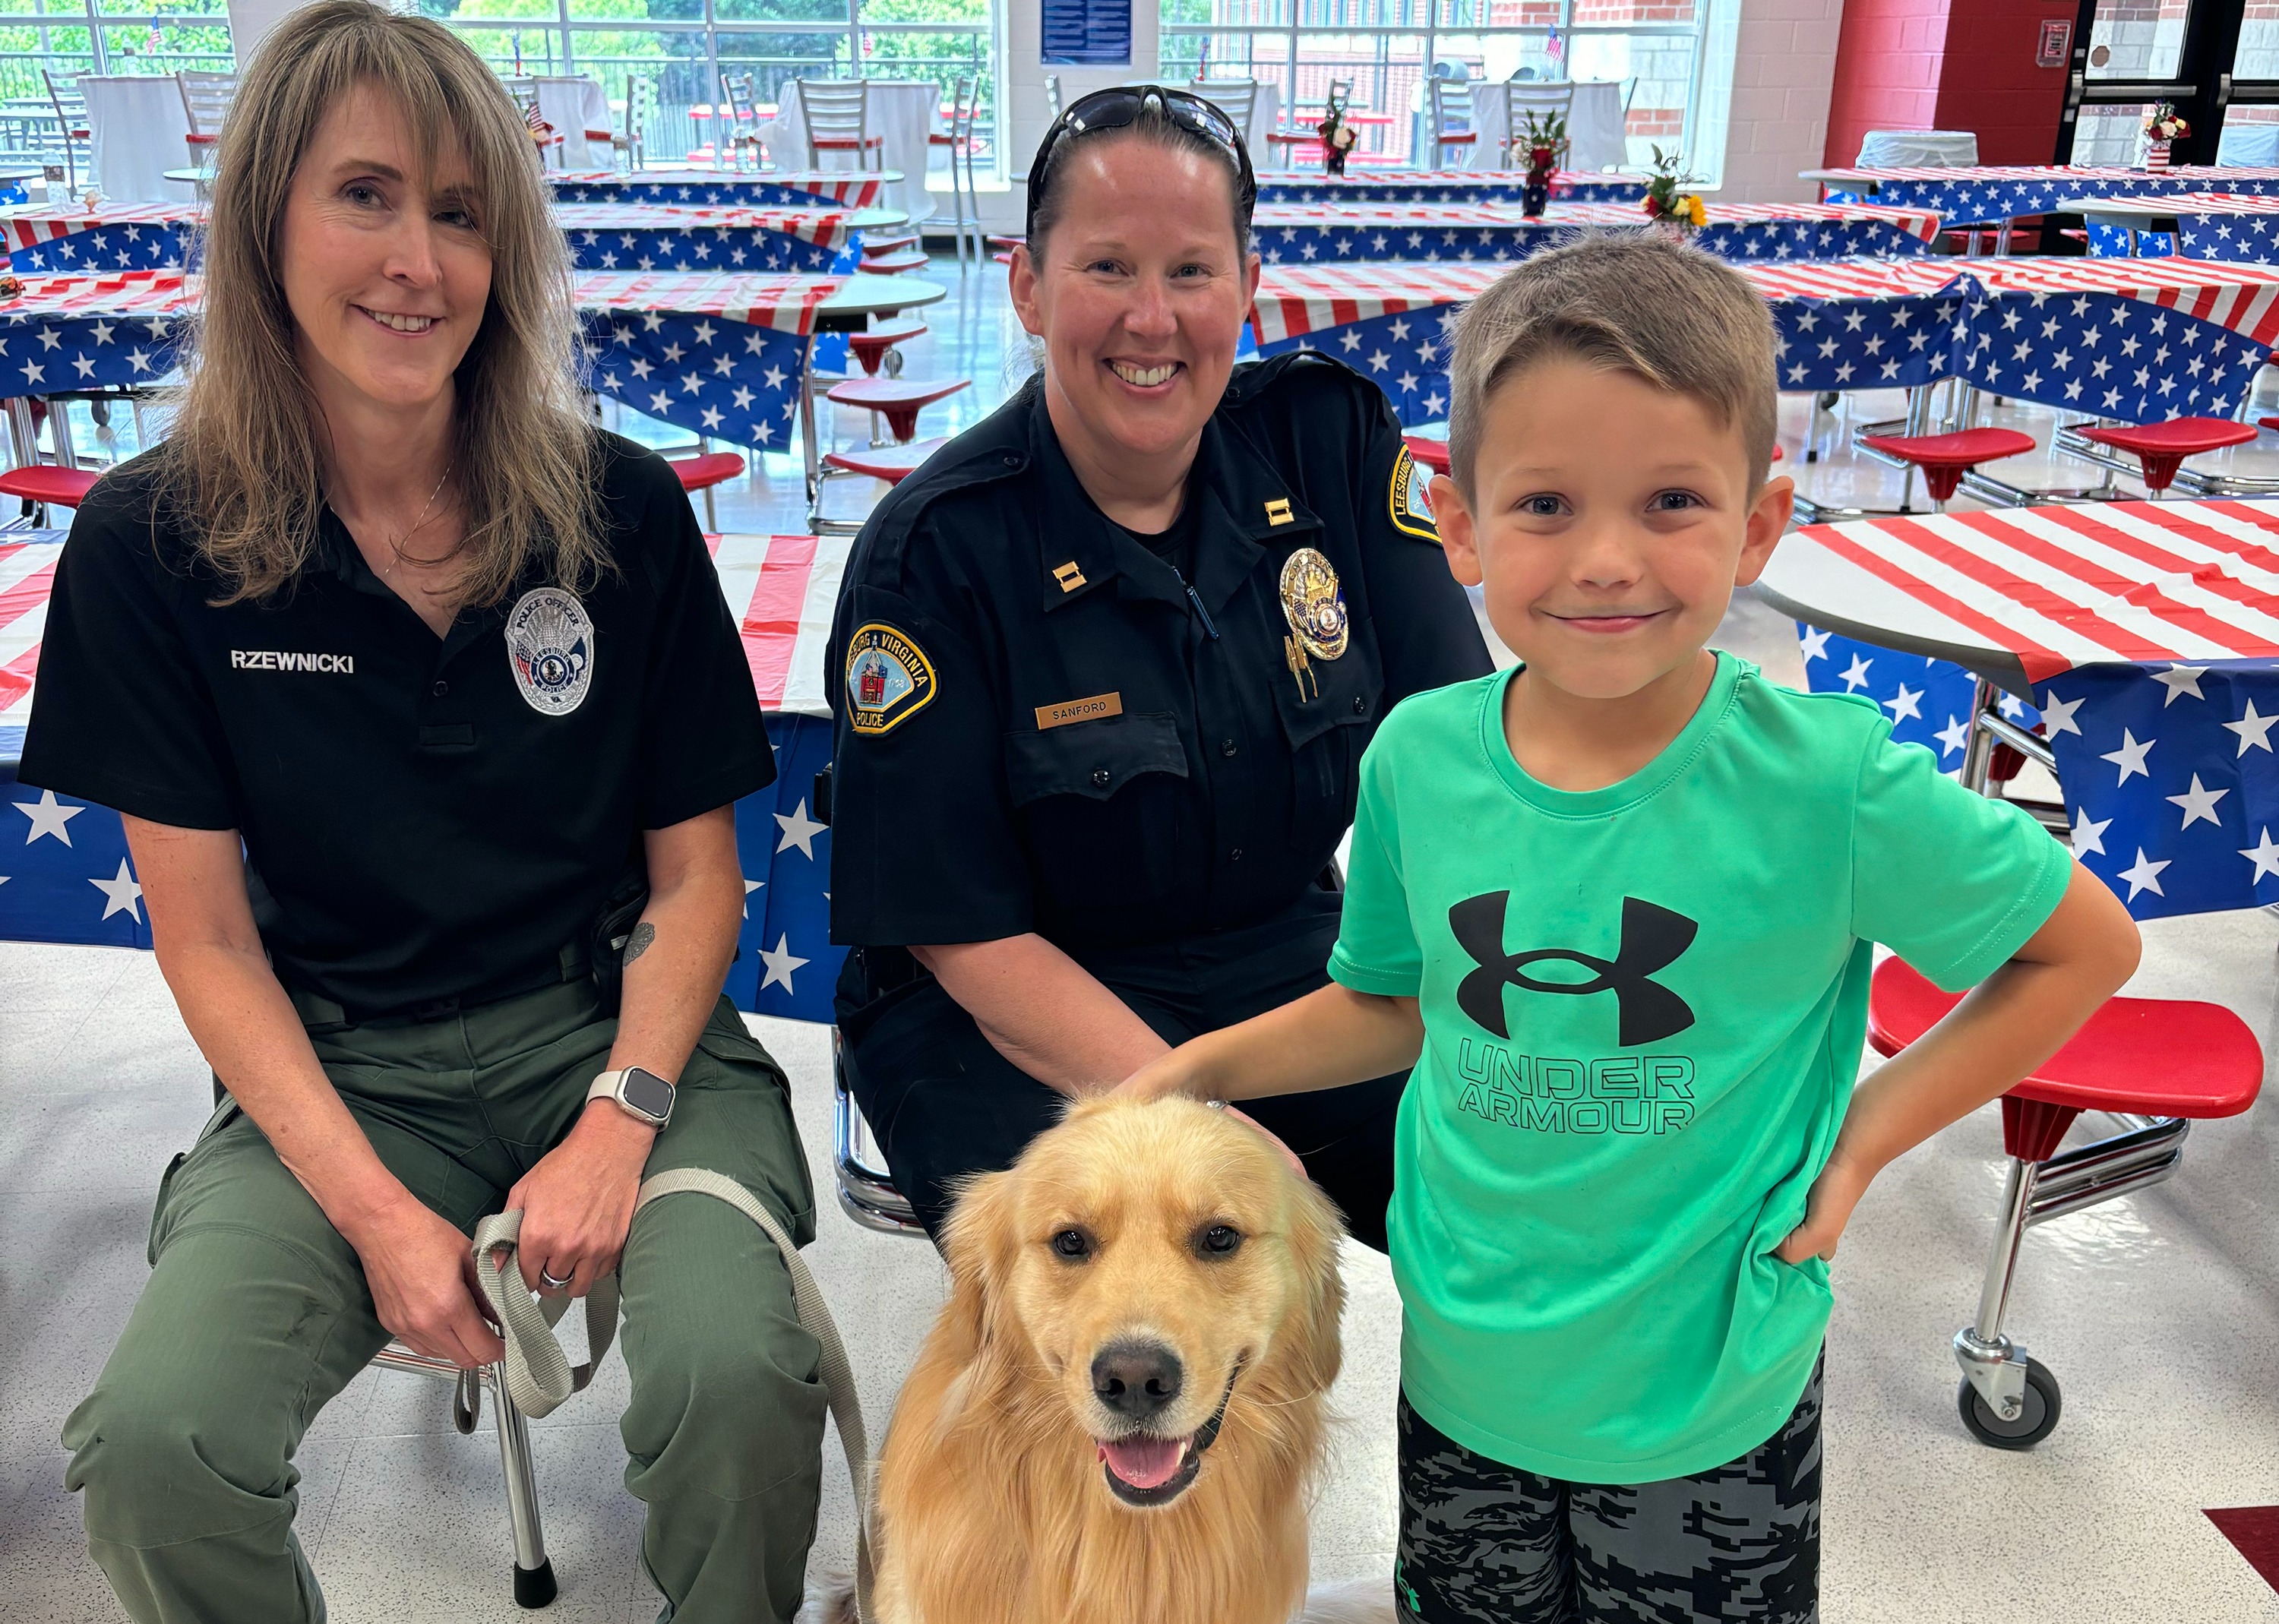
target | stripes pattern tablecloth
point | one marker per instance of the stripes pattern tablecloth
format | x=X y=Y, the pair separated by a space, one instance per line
x=2149 y=634
x=2000 y=192
x=64 y=239
x=718 y=355
x=65 y=875
x=640 y=236
x=784 y=187
x=2100 y=336
x=1295 y=233
x=1441 y=186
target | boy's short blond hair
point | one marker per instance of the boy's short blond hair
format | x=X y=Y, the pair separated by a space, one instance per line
x=1641 y=302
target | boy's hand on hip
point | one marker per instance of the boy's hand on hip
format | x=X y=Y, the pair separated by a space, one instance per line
x=1826 y=1210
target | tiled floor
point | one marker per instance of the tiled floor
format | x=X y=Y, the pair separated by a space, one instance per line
x=2157 y=1313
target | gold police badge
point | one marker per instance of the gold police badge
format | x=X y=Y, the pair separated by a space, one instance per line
x=1314 y=603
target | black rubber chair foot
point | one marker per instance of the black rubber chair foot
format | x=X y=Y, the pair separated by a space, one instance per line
x=534 y=1587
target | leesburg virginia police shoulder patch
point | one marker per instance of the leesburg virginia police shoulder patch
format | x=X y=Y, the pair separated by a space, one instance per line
x=1411 y=499
x=889 y=679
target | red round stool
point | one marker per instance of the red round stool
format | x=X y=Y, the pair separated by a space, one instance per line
x=1946 y=458
x=2160 y=448
x=897 y=264
x=701 y=473
x=875 y=243
x=898 y=400
x=44 y=485
x=2161 y=1063
x=892 y=463
x=874 y=346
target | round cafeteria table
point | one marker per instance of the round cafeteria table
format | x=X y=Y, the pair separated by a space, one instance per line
x=863 y=296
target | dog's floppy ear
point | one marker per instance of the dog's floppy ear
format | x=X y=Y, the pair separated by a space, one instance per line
x=1315 y=1230
x=979 y=1243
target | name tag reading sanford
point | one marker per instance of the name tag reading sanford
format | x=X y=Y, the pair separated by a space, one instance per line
x=1079 y=710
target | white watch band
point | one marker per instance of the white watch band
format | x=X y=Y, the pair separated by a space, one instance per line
x=611 y=1085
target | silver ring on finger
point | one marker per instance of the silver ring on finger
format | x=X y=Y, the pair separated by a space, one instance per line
x=549 y=1282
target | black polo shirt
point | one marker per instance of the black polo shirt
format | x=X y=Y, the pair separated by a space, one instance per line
x=1044 y=726
x=427 y=820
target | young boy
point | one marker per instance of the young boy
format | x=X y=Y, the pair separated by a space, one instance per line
x=1615 y=906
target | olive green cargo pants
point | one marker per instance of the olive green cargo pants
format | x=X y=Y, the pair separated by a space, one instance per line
x=256 y=1314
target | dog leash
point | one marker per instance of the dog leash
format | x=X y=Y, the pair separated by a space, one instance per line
x=538 y=1375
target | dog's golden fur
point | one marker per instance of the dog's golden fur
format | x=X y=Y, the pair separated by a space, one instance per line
x=993 y=1506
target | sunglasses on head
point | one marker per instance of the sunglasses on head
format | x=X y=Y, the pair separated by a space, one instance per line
x=1113 y=109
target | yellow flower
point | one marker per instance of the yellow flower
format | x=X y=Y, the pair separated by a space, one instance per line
x=1695 y=212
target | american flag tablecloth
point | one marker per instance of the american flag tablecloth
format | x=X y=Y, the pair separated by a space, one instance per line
x=65 y=875
x=1441 y=186
x=1292 y=234
x=2147 y=635
x=2136 y=340
x=785 y=188
x=1993 y=193
x=640 y=236
x=2219 y=226
x=51 y=239
x=718 y=355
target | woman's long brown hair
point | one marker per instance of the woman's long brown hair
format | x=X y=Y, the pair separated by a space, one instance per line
x=242 y=468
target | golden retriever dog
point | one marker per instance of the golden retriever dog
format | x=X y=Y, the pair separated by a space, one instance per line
x=1119 y=1415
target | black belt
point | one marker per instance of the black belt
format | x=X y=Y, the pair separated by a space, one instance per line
x=571 y=964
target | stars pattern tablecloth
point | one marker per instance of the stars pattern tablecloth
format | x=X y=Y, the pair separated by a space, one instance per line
x=720 y=355
x=1293 y=234
x=2149 y=633
x=2233 y=226
x=2135 y=340
x=65 y=875
x=1434 y=186
x=1991 y=194
x=45 y=238
x=635 y=236
x=782 y=187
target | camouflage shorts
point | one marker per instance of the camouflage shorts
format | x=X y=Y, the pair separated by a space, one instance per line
x=1481 y=1543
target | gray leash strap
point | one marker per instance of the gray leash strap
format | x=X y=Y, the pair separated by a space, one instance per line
x=539 y=1377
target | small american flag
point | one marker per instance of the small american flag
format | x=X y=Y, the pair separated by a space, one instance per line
x=540 y=130
x=1556 y=48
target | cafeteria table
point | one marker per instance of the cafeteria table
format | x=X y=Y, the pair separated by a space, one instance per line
x=1994 y=195
x=2240 y=226
x=2146 y=635
x=1310 y=234
x=786 y=189
x=2135 y=340
x=721 y=356
x=69 y=878
x=1417 y=186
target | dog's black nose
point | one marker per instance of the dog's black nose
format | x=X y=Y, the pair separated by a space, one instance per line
x=1138 y=1379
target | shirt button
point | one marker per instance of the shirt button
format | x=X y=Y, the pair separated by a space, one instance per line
x=1226 y=747
x=1235 y=856
x=440 y=688
x=1361 y=706
x=1099 y=776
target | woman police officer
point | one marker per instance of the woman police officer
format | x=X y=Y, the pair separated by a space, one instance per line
x=400 y=672
x=1104 y=671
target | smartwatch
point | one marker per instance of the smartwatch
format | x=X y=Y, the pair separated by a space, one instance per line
x=641 y=1094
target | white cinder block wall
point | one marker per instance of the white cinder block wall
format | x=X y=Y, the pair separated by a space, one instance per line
x=1784 y=67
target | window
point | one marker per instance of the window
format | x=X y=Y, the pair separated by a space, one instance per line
x=679 y=46
x=133 y=36
x=1654 y=49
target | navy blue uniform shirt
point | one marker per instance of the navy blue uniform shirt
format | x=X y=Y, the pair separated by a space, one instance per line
x=1044 y=727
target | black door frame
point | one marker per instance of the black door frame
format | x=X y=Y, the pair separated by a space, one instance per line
x=2202 y=89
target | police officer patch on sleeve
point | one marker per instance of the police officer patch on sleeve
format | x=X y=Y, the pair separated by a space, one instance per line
x=550 y=643
x=888 y=678
x=1411 y=499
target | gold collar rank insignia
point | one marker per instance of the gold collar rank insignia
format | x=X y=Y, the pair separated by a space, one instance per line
x=889 y=679
x=1277 y=512
x=1314 y=603
x=1410 y=499
x=1068 y=576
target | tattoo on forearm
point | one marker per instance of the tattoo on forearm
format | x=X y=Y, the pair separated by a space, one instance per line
x=638 y=943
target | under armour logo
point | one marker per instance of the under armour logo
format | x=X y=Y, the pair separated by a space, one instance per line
x=1652 y=938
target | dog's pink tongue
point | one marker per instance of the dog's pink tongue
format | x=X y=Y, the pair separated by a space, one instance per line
x=1143 y=1463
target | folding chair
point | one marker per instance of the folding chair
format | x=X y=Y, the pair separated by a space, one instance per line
x=1520 y=97
x=965 y=201
x=71 y=116
x=205 y=99
x=640 y=101
x=838 y=114
x=1236 y=98
x=1452 y=120
x=743 y=104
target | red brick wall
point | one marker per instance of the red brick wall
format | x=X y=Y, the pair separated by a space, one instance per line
x=1887 y=70
x=1948 y=65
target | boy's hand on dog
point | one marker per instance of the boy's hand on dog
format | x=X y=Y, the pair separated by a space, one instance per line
x=1826 y=1210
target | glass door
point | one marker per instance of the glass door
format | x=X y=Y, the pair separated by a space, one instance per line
x=2130 y=56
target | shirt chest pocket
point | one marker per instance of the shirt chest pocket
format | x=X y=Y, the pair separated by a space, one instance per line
x=1104 y=803
x=1329 y=713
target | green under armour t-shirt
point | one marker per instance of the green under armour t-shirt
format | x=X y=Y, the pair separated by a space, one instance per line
x=1644 y=1011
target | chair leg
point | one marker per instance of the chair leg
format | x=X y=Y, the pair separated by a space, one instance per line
x=1991 y=1362
x=533 y=1573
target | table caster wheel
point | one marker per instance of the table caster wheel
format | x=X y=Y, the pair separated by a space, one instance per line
x=893 y=362
x=2038 y=1416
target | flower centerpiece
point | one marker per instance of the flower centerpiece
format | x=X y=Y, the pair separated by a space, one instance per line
x=1337 y=137
x=1543 y=136
x=1667 y=203
x=2161 y=128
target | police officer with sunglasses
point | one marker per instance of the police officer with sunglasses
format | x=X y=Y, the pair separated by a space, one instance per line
x=1104 y=669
